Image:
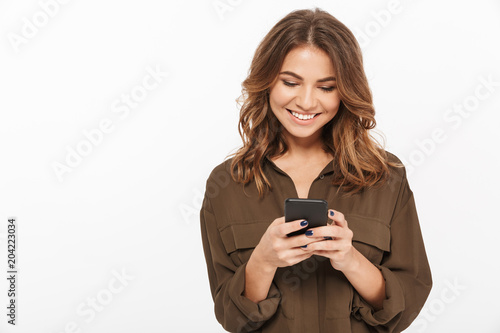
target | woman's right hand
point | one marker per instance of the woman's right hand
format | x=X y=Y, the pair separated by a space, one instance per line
x=276 y=249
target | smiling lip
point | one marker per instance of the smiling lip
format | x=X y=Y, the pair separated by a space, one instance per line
x=302 y=121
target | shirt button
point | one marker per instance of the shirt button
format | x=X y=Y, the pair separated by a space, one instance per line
x=322 y=176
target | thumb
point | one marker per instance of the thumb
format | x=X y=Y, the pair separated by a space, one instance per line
x=278 y=221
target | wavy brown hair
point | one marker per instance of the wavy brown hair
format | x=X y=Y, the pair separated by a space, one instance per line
x=359 y=160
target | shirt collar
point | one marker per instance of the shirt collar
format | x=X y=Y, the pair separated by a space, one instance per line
x=326 y=170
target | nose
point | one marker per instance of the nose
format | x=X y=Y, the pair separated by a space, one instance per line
x=305 y=98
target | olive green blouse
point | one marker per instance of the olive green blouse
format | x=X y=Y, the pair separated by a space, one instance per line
x=312 y=296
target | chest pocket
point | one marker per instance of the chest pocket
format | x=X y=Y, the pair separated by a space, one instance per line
x=241 y=239
x=371 y=237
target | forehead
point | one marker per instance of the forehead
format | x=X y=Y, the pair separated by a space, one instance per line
x=308 y=61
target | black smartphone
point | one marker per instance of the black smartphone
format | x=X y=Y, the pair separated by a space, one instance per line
x=314 y=211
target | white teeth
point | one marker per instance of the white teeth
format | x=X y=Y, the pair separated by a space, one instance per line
x=302 y=117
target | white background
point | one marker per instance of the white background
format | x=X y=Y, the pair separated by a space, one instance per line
x=131 y=205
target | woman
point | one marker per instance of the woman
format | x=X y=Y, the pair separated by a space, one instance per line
x=306 y=113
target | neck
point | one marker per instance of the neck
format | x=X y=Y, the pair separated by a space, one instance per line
x=310 y=148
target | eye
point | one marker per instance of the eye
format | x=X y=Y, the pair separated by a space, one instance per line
x=289 y=84
x=292 y=84
x=327 y=89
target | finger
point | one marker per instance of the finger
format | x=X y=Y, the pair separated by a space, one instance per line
x=301 y=241
x=333 y=231
x=278 y=221
x=337 y=217
x=288 y=227
x=324 y=253
x=307 y=247
x=297 y=255
x=325 y=246
x=301 y=255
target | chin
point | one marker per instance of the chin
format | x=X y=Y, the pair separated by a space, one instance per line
x=302 y=133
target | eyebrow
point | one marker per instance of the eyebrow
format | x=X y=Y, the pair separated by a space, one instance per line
x=330 y=78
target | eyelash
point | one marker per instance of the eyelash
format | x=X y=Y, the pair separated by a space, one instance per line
x=289 y=84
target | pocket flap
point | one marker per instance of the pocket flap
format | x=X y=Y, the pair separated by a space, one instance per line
x=243 y=236
x=370 y=231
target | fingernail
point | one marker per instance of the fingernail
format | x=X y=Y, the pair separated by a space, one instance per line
x=309 y=233
x=331 y=213
x=303 y=223
x=327 y=237
x=304 y=246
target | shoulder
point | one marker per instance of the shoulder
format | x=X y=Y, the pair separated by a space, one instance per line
x=396 y=177
x=220 y=185
x=391 y=157
x=398 y=172
x=220 y=173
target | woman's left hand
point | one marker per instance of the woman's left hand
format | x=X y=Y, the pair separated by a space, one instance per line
x=334 y=241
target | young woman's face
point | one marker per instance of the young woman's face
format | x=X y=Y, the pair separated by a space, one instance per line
x=306 y=87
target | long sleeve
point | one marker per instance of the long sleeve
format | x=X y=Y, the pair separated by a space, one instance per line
x=405 y=269
x=235 y=312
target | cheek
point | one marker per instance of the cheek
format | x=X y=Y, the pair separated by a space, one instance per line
x=280 y=97
x=331 y=104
